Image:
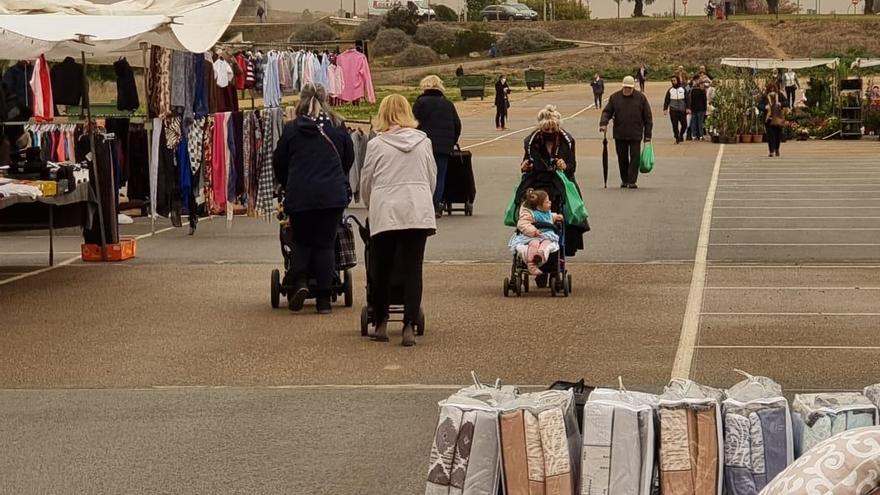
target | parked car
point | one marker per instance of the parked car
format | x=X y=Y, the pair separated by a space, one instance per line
x=530 y=15
x=506 y=13
x=381 y=7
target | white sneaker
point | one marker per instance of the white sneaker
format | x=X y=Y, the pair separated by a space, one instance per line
x=123 y=219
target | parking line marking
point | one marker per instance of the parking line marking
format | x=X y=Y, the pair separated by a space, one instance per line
x=796 y=207
x=794 y=218
x=799 y=267
x=797 y=199
x=513 y=133
x=791 y=288
x=35 y=253
x=690 y=326
x=810 y=229
x=865 y=244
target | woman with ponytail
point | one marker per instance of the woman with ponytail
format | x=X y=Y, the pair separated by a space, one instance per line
x=311 y=163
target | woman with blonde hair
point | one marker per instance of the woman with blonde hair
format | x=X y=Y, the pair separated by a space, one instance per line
x=397 y=185
x=439 y=120
x=312 y=162
x=547 y=149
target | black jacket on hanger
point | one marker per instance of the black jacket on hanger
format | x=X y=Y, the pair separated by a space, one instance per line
x=126 y=89
x=17 y=80
x=67 y=82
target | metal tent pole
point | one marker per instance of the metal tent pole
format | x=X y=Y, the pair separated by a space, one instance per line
x=93 y=149
x=149 y=129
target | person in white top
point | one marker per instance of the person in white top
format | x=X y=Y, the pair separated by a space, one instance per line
x=790 y=81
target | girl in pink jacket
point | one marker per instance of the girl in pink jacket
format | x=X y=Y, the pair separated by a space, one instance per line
x=535 y=244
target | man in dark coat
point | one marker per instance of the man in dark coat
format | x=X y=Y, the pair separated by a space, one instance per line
x=598 y=85
x=439 y=120
x=642 y=77
x=633 y=122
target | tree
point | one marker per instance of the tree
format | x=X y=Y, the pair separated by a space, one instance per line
x=404 y=18
x=639 y=9
x=475 y=7
x=445 y=14
x=437 y=36
x=315 y=32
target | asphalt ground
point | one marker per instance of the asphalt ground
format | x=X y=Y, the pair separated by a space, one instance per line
x=170 y=373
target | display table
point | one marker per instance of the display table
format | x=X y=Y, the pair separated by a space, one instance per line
x=73 y=209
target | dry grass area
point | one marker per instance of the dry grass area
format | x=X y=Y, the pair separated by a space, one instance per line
x=814 y=38
x=602 y=31
x=703 y=44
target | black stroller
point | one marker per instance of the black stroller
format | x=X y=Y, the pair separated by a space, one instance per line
x=554 y=269
x=342 y=282
x=395 y=310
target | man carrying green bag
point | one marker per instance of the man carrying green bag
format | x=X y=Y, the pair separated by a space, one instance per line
x=646 y=164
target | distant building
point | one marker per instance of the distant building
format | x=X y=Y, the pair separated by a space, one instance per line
x=248 y=9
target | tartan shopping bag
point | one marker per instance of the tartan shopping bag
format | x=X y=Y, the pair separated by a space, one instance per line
x=346 y=251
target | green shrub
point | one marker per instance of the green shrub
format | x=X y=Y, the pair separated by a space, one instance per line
x=519 y=40
x=404 y=18
x=440 y=38
x=475 y=39
x=369 y=29
x=416 y=55
x=445 y=14
x=566 y=10
x=315 y=32
x=390 y=42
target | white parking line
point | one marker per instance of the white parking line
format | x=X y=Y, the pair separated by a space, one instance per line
x=796 y=199
x=796 y=207
x=690 y=326
x=797 y=267
x=865 y=244
x=795 y=218
x=513 y=133
x=812 y=229
x=34 y=253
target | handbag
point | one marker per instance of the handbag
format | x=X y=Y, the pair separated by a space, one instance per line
x=346 y=250
x=775 y=112
x=646 y=164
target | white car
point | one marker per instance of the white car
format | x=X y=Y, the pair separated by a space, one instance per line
x=381 y=7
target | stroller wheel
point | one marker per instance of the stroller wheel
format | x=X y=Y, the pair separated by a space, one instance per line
x=276 y=288
x=420 y=325
x=365 y=321
x=525 y=283
x=517 y=286
x=553 y=286
x=564 y=283
x=568 y=284
x=347 y=289
x=506 y=287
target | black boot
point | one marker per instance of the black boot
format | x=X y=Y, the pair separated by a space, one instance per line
x=323 y=303
x=298 y=295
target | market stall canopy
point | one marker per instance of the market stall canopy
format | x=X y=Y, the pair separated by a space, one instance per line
x=62 y=28
x=780 y=63
x=863 y=63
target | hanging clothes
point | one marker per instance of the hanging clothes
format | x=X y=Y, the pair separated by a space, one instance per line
x=200 y=93
x=271 y=81
x=218 y=163
x=160 y=82
x=41 y=87
x=184 y=171
x=126 y=88
x=154 y=165
x=272 y=123
x=67 y=82
x=196 y=143
x=183 y=84
x=138 y=178
x=208 y=164
x=241 y=77
x=357 y=76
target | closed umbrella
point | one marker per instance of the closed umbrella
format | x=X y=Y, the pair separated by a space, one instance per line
x=605 y=159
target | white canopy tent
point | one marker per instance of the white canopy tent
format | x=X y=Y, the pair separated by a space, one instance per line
x=66 y=28
x=780 y=63
x=864 y=63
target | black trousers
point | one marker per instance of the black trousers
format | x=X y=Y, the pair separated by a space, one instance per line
x=774 y=138
x=500 y=116
x=679 y=124
x=597 y=99
x=628 y=156
x=396 y=259
x=791 y=92
x=314 y=242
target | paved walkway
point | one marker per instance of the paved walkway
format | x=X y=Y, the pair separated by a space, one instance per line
x=172 y=374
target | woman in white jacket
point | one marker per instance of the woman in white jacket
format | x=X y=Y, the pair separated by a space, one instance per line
x=397 y=185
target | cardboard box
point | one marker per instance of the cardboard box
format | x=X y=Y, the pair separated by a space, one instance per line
x=126 y=249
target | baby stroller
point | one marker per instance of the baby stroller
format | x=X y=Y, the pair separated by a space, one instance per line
x=395 y=310
x=342 y=282
x=554 y=269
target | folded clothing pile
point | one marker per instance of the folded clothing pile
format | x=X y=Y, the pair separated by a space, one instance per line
x=491 y=437
x=690 y=439
x=16 y=189
x=619 y=441
x=758 y=436
x=818 y=417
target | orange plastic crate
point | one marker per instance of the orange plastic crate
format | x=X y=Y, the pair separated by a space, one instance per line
x=126 y=249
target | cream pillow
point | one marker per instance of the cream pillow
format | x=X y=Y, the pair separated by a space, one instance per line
x=846 y=464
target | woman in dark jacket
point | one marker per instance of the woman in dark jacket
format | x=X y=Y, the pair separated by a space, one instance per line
x=439 y=120
x=502 y=103
x=547 y=149
x=773 y=105
x=312 y=161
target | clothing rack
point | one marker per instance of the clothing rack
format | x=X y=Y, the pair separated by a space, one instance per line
x=305 y=45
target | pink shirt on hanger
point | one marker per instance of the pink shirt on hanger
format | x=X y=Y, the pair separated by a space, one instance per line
x=357 y=77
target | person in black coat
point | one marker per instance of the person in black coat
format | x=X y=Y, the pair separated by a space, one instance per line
x=312 y=162
x=438 y=119
x=598 y=85
x=502 y=103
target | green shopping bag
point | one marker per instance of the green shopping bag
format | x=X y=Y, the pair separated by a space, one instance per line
x=511 y=214
x=646 y=164
x=574 y=210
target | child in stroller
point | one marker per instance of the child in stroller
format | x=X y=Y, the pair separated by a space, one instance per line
x=538 y=248
x=535 y=238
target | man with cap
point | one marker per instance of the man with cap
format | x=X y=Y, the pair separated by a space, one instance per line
x=633 y=122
